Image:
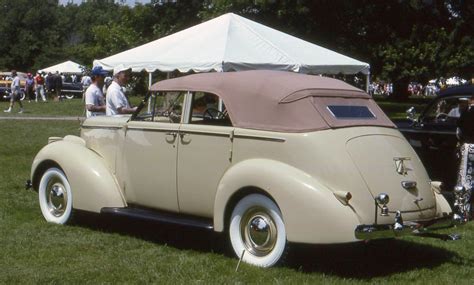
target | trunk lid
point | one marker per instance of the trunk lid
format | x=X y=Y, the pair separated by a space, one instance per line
x=386 y=163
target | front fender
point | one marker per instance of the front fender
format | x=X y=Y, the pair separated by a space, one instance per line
x=311 y=212
x=92 y=183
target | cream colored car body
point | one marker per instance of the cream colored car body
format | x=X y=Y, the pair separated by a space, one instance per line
x=265 y=156
x=202 y=171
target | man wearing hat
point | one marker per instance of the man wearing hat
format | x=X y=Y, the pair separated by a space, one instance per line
x=15 y=89
x=117 y=102
x=95 y=103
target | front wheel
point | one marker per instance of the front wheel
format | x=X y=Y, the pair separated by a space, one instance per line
x=70 y=96
x=55 y=197
x=257 y=231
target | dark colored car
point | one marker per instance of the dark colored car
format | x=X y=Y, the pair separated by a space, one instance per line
x=5 y=91
x=433 y=133
x=72 y=89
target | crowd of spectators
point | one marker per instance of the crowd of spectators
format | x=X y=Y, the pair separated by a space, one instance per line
x=414 y=88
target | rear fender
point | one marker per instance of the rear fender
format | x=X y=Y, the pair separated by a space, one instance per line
x=311 y=212
x=92 y=183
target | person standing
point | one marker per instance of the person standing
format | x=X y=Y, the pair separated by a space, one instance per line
x=39 y=87
x=58 y=85
x=116 y=101
x=86 y=81
x=29 y=87
x=49 y=84
x=95 y=103
x=16 y=91
x=465 y=134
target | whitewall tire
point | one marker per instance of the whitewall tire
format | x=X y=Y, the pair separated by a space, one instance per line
x=257 y=227
x=55 y=197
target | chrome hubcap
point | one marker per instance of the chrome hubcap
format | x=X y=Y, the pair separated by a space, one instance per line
x=258 y=231
x=56 y=197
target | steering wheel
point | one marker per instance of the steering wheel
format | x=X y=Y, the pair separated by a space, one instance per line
x=442 y=117
x=213 y=114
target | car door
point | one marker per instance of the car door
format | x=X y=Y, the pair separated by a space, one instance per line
x=204 y=154
x=149 y=156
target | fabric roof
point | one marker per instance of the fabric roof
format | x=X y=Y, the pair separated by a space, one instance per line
x=279 y=101
x=232 y=43
x=65 y=67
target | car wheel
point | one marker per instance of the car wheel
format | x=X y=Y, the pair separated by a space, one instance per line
x=70 y=97
x=257 y=227
x=55 y=197
x=22 y=96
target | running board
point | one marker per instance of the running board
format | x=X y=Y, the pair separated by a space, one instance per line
x=156 y=216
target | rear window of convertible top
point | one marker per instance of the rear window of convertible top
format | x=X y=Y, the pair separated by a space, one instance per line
x=350 y=112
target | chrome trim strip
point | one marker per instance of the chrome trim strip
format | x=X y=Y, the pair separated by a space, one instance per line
x=152 y=130
x=273 y=139
x=101 y=127
x=195 y=132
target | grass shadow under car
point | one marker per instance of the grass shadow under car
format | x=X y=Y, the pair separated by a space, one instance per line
x=378 y=258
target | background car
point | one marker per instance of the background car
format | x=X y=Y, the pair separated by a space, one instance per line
x=267 y=157
x=433 y=133
x=5 y=83
x=72 y=90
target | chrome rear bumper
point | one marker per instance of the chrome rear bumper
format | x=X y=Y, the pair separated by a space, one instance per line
x=366 y=232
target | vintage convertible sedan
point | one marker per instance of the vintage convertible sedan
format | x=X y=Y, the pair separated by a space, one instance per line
x=267 y=157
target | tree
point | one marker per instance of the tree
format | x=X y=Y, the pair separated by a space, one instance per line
x=27 y=34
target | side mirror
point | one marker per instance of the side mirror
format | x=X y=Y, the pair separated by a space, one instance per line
x=411 y=114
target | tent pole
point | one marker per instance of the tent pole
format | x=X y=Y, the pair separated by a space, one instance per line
x=367 y=84
x=150 y=79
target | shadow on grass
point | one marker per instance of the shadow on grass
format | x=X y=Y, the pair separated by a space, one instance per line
x=354 y=260
x=368 y=260
x=179 y=237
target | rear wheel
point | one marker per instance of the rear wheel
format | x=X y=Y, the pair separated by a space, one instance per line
x=70 y=96
x=257 y=231
x=55 y=197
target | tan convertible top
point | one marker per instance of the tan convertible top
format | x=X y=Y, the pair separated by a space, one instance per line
x=278 y=100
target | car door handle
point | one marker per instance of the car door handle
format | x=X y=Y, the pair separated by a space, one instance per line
x=185 y=139
x=171 y=136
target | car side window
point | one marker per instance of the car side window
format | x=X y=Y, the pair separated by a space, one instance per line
x=208 y=109
x=446 y=110
x=163 y=107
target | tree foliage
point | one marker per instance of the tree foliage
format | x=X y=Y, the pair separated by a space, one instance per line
x=403 y=40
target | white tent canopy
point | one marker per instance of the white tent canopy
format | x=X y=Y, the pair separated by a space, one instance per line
x=231 y=42
x=65 y=67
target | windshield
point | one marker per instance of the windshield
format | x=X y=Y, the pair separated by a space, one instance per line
x=162 y=107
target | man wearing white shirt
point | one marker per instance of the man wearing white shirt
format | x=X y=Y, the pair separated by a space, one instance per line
x=16 y=92
x=95 y=103
x=116 y=101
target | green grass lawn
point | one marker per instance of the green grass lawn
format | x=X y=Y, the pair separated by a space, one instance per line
x=100 y=250
x=74 y=107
